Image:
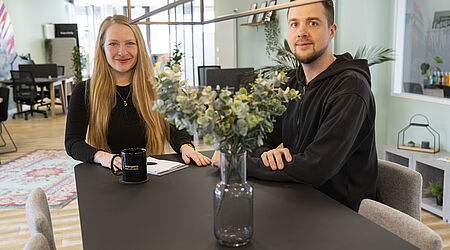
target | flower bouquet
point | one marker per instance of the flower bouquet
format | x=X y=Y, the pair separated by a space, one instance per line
x=233 y=124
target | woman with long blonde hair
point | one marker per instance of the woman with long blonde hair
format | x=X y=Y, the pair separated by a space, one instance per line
x=114 y=108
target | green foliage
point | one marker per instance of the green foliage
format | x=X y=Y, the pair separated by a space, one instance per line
x=426 y=69
x=176 y=56
x=232 y=123
x=272 y=33
x=284 y=60
x=435 y=188
x=78 y=63
x=375 y=54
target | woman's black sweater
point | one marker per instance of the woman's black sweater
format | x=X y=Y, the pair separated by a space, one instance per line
x=126 y=129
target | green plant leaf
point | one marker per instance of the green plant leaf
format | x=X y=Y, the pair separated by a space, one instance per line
x=424 y=67
x=375 y=54
x=439 y=60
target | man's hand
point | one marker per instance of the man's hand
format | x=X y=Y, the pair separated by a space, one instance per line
x=104 y=158
x=273 y=158
x=188 y=153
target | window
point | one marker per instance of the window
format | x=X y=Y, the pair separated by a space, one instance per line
x=197 y=41
x=422 y=43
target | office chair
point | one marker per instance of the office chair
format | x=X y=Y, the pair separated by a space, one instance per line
x=401 y=224
x=45 y=91
x=202 y=80
x=399 y=187
x=37 y=242
x=4 y=94
x=38 y=216
x=25 y=92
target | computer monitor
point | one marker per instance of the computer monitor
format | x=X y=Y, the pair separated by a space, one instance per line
x=40 y=70
x=202 y=73
x=231 y=78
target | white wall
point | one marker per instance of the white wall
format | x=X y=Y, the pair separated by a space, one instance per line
x=27 y=17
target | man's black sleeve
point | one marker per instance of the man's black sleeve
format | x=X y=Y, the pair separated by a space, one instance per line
x=326 y=155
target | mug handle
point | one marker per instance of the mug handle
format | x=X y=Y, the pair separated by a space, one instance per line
x=112 y=166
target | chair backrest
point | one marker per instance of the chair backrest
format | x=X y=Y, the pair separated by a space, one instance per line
x=24 y=86
x=38 y=216
x=401 y=224
x=40 y=70
x=399 y=187
x=37 y=242
x=202 y=73
x=4 y=94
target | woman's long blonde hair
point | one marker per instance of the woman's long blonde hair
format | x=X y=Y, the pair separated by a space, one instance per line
x=102 y=93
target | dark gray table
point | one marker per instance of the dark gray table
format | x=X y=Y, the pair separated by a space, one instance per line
x=175 y=211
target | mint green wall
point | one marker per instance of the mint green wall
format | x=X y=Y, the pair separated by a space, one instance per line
x=27 y=18
x=367 y=22
x=372 y=23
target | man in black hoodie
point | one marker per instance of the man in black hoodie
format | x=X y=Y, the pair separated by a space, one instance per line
x=328 y=135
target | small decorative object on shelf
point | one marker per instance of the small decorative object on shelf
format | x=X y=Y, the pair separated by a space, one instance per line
x=425 y=146
x=260 y=16
x=268 y=16
x=251 y=18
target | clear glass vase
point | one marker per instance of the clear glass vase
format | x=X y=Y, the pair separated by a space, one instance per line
x=233 y=202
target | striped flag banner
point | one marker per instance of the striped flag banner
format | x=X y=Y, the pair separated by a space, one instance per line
x=6 y=29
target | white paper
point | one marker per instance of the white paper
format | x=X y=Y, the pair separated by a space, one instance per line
x=163 y=167
x=445 y=158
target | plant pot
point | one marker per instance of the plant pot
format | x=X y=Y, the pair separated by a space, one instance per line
x=233 y=202
x=439 y=201
x=411 y=144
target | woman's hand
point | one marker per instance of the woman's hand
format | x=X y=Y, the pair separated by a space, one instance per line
x=188 y=153
x=104 y=158
x=216 y=159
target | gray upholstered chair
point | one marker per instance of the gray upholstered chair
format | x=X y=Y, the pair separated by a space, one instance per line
x=401 y=224
x=399 y=187
x=37 y=242
x=38 y=216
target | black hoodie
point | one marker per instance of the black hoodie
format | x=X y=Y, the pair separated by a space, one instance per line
x=330 y=133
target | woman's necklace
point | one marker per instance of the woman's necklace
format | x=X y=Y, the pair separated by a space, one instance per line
x=126 y=99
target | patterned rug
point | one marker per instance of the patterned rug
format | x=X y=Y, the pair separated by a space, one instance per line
x=51 y=170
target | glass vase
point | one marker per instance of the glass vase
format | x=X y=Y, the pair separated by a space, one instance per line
x=233 y=202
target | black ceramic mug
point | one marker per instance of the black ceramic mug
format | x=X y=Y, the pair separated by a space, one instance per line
x=134 y=165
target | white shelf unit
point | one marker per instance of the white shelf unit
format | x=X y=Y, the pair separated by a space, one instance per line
x=431 y=169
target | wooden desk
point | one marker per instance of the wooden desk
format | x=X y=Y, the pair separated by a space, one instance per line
x=52 y=82
x=175 y=211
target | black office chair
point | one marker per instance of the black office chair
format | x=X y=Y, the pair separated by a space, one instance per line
x=202 y=80
x=45 y=91
x=25 y=92
x=4 y=95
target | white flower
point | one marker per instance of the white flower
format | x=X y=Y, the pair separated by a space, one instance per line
x=169 y=73
x=176 y=68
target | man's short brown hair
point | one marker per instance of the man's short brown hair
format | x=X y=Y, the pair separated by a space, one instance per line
x=329 y=11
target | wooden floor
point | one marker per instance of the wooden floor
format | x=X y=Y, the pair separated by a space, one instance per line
x=40 y=133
